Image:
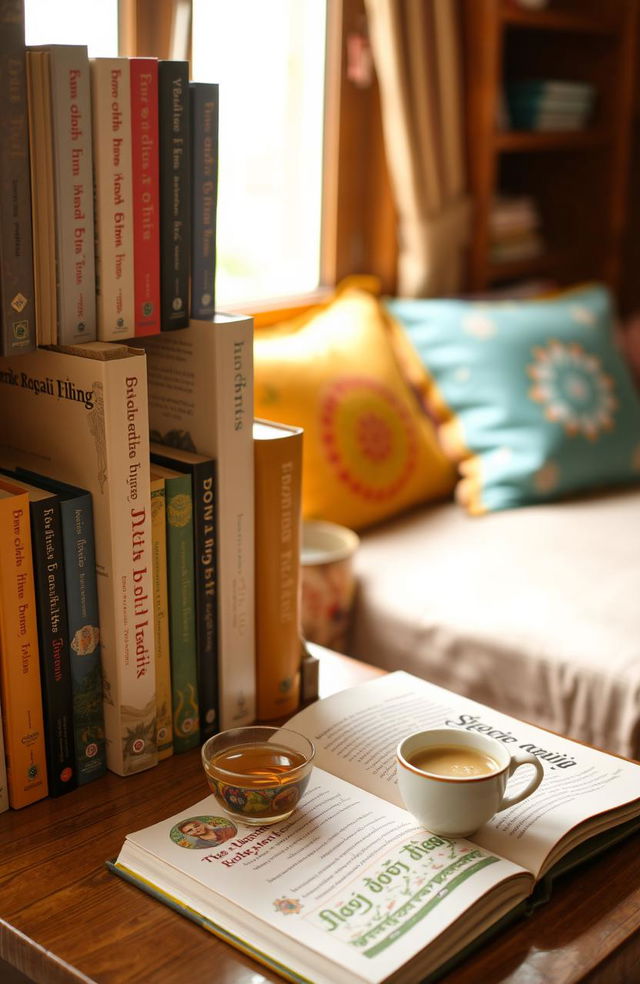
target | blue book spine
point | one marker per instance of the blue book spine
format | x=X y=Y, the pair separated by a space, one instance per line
x=204 y=102
x=84 y=635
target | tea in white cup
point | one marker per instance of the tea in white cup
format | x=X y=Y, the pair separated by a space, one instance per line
x=453 y=781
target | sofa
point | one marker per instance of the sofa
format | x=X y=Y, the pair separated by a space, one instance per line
x=497 y=501
x=534 y=611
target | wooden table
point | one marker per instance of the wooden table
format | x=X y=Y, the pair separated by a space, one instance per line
x=65 y=918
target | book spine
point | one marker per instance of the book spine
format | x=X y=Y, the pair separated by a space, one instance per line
x=204 y=512
x=146 y=205
x=278 y=495
x=42 y=190
x=126 y=597
x=17 y=306
x=204 y=104
x=236 y=543
x=4 y=789
x=182 y=622
x=73 y=166
x=111 y=103
x=175 y=197
x=84 y=636
x=164 y=699
x=19 y=664
x=210 y=405
x=203 y=478
x=53 y=645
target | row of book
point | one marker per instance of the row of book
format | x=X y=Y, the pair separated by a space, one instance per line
x=110 y=230
x=189 y=498
x=514 y=229
x=549 y=104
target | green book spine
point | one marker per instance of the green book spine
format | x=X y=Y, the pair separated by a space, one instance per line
x=182 y=612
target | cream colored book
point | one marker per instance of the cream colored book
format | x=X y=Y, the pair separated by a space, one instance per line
x=113 y=179
x=79 y=415
x=201 y=399
x=351 y=889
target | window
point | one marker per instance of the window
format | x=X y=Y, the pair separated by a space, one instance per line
x=276 y=236
x=269 y=60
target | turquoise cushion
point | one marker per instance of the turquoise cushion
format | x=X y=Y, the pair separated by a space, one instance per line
x=534 y=398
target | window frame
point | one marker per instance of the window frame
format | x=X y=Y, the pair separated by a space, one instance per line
x=358 y=216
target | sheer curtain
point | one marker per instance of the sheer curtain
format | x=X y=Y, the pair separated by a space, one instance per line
x=416 y=51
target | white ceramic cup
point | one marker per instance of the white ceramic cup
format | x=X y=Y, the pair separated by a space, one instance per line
x=455 y=806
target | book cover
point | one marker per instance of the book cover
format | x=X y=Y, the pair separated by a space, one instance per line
x=182 y=613
x=164 y=727
x=17 y=328
x=53 y=635
x=111 y=119
x=204 y=107
x=76 y=512
x=175 y=195
x=79 y=415
x=202 y=470
x=397 y=903
x=70 y=89
x=201 y=398
x=19 y=662
x=145 y=197
x=278 y=506
x=43 y=198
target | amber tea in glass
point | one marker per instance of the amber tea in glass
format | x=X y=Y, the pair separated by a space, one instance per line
x=258 y=774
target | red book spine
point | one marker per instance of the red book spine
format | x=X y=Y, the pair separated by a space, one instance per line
x=146 y=206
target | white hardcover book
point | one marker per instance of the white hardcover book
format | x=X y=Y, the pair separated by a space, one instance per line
x=73 y=167
x=201 y=398
x=79 y=415
x=111 y=110
x=4 y=790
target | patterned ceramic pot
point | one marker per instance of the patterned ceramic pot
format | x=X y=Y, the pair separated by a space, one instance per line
x=328 y=582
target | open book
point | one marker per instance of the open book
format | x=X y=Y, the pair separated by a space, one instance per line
x=351 y=888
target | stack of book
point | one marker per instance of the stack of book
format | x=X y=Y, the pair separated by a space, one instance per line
x=129 y=476
x=514 y=228
x=174 y=546
x=549 y=104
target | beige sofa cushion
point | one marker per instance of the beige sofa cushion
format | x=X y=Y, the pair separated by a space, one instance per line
x=534 y=611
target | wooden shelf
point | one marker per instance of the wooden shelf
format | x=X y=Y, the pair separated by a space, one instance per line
x=544 y=263
x=518 y=141
x=579 y=179
x=557 y=20
x=551 y=263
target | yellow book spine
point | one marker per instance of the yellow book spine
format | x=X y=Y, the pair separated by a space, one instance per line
x=19 y=664
x=161 y=619
x=278 y=471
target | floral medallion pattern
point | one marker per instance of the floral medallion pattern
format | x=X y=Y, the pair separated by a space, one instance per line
x=368 y=437
x=573 y=389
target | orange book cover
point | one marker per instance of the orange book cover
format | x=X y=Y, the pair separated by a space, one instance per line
x=278 y=493
x=19 y=664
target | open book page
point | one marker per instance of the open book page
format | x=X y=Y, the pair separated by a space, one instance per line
x=349 y=888
x=356 y=733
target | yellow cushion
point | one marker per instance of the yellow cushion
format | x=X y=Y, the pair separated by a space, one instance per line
x=369 y=452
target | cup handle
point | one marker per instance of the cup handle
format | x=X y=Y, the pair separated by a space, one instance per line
x=518 y=759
